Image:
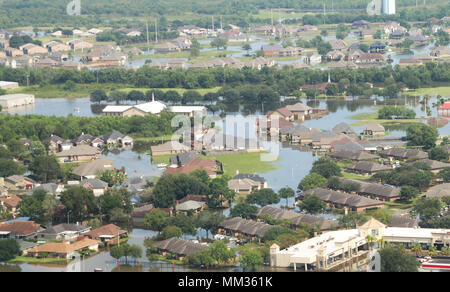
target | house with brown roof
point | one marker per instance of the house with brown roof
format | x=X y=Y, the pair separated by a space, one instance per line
x=9 y=204
x=20 y=229
x=338 y=44
x=300 y=110
x=79 y=153
x=211 y=166
x=352 y=155
x=281 y=113
x=376 y=191
x=371 y=58
x=374 y=130
x=63 y=249
x=246 y=183
x=169 y=147
x=106 y=233
x=435 y=166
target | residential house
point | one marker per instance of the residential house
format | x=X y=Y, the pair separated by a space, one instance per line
x=374 y=130
x=79 y=153
x=179 y=247
x=440 y=52
x=352 y=155
x=435 y=166
x=358 y=24
x=298 y=134
x=259 y=63
x=371 y=58
x=300 y=110
x=83 y=139
x=237 y=226
x=298 y=218
x=20 y=229
x=139 y=213
x=339 y=45
x=13 y=52
x=45 y=63
x=281 y=113
x=212 y=167
x=376 y=191
x=190 y=207
x=18 y=183
x=92 y=169
x=97 y=186
x=50 y=188
x=169 y=147
x=344 y=128
x=182 y=159
x=367 y=168
x=10 y=203
x=62 y=249
x=55 y=46
x=64 y=232
x=32 y=49
x=311 y=59
x=246 y=183
x=335 y=55
x=166 y=48
x=343 y=200
x=106 y=233
x=438 y=191
x=444 y=110
x=403 y=153
x=79 y=44
x=271 y=50
x=377 y=47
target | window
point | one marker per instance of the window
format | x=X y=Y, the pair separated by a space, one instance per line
x=374 y=232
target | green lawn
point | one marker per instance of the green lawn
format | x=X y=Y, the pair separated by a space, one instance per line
x=434 y=91
x=25 y=259
x=371 y=118
x=244 y=162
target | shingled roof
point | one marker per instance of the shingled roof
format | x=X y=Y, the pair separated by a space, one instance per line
x=297 y=218
x=179 y=246
x=108 y=230
x=353 y=155
x=349 y=200
x=248 y=227
x=368 y=166
x=403 y=153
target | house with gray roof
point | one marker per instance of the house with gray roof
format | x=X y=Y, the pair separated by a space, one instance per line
x=403 y=221
x=297 y=218
x=343 y=128
x=435 y=166
x=92 y=169
x=50 y=188
x=375 y=191
x=238 y=226
x=179 y=247
x=438 y=191
x=182 y=158
x=97 y=186
x=343 y=200
x=83 y=139
x=403 y=153
x=374 y=130
x=190 y=206
x=352 y=155
x=64 y=231
x=368 y=167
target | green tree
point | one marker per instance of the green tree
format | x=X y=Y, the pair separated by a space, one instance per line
x=312 y=181
x=46 y=168
x=209 y=221
x=156 y=220
x=263 y=197
x=419 y=134
x=437 y=153
x=98 y=96
x=247 y=47
x=408 y=193
x=286 y=193
x=9 y=249
x=326 y=168
x=393 y=260
x=219 y=43
x=243 y=210
x=250 y=260
x=171 y=231
x=312 y=203
x=80 y=203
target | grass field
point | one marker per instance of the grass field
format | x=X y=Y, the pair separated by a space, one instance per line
x=24 y=259
x=434 y=91
x=244 y=162
x=371 y=118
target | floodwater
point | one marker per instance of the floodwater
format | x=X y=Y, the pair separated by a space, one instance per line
x=292 y=165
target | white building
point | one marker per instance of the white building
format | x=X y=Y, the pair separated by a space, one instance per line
x=15 y=100
x=336 y=247
x=388 y=6
x=8 y=85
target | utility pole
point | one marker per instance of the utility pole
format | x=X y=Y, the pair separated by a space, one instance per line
x=156 y=30
x=221 y=23
x=148 y=45
x=212 y=21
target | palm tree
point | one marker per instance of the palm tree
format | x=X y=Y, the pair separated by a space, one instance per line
x=445 y=250
x=381 y=241
x=370 y=239
x=432 y=251
x=417 y=248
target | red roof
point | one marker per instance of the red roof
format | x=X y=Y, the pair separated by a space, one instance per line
x=20 y=227
x=209 y=165
x=109 y=230
x=12 y=201
x=445 y=106
x=283 y=111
